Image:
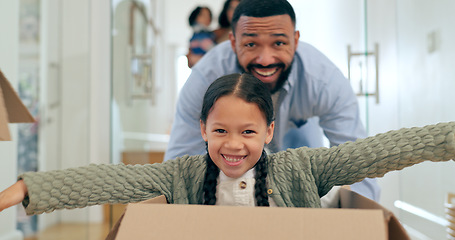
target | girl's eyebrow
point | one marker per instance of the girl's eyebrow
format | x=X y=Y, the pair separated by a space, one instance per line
x=246 y=125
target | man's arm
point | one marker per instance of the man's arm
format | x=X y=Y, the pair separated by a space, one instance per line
x=186 y=134
x=339 y=114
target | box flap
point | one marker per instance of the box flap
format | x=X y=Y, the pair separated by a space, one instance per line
x=160 y=199
x=4 y=131
x=114 y=231
x=350 y=199
x=12 y=109
x=169 y=221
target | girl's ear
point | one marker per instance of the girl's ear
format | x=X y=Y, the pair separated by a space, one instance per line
x=203 y=130
x=269 y=135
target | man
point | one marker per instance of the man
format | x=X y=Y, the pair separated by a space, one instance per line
x=308 y=89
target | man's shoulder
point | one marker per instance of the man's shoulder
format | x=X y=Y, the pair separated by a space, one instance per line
x=220 y=56
x=219 y=61
x=310 y=54
x=314 y=64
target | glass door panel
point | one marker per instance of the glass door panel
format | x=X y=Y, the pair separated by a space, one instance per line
x=426 y=82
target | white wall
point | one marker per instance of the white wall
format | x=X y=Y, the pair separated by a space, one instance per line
x=331 y=26
x=9 y=10
x=74 y=130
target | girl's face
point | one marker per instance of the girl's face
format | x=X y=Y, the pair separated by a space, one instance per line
x=204 y=17
x=236 y=132
x=230 y=12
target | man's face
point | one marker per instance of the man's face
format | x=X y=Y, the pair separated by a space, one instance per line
x=265 y=46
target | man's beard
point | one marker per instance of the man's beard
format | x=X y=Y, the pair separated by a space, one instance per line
x=281 y=79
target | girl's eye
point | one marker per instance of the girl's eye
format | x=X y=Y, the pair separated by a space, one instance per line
x=220 y=131
x=248 y=131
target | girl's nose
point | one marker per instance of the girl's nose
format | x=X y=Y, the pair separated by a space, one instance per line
x=234 y=142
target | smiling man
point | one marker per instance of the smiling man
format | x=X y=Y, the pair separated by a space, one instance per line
x=265 y=47
x=309 y=92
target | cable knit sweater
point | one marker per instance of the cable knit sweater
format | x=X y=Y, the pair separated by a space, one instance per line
x=296 y=177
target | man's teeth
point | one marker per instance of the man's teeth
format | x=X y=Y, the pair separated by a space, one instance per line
x=233 y=159
x=265 y=73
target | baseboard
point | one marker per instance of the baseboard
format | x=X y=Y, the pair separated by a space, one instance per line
x=13 y=235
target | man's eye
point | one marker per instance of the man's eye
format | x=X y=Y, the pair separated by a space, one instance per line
x=249 y=45
x=279 y=43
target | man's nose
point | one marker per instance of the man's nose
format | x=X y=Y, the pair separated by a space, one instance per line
x=266 y=56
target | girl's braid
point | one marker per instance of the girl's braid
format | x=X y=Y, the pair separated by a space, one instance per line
x=210 y=182
x=260 y=187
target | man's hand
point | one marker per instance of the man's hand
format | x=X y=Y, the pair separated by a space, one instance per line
x=13 y=195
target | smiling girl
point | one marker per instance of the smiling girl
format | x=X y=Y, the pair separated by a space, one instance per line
x=236 y=122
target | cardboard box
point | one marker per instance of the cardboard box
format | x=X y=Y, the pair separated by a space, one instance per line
x=149 y=220
x=12 y=110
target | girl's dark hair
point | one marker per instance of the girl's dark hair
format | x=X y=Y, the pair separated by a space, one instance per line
x=244 y=86
x=223 y=20
x=195 y=13
x=262 y=8
x=252 y=90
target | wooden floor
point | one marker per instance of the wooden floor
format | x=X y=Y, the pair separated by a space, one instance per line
x=76 y=231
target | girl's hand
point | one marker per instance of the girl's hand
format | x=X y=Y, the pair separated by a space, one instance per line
x=13 y=195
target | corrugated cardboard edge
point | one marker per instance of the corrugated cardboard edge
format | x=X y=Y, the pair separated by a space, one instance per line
x=114 y=231
x=4 y=131
x=11 y=108
x=17 y=112
x=350 y=199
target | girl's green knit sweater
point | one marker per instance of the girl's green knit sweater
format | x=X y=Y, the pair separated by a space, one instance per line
x=296 y=177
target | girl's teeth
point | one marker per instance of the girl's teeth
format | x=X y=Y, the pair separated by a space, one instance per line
x=229 y=159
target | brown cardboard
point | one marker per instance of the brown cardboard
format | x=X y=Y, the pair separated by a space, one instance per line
x=157 y=221
x=349 y=199
x=12 y=109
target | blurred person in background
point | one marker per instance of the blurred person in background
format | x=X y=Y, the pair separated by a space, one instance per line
x=224 y=20
x=203 y=38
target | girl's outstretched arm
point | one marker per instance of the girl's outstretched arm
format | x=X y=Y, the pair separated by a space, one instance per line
x=13 y=195
x=394 y=150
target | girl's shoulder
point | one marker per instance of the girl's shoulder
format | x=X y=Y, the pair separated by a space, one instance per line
x=187 y=162
x=291 y=156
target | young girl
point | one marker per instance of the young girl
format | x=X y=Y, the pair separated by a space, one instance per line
x=236 y=122
x=203 y=38
x=224 y=21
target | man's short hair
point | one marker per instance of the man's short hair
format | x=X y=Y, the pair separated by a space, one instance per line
x=262 y=8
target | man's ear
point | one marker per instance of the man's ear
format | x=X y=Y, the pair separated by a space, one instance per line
x=203 y=131
x=232 y=39
x=270 y=130
x=296 y=38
